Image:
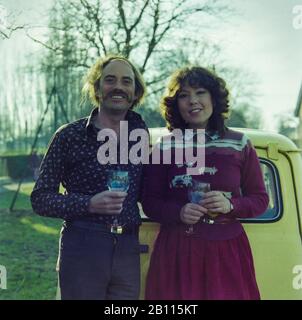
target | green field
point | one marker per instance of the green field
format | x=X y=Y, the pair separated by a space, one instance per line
x=28 y=248
x=7 y=192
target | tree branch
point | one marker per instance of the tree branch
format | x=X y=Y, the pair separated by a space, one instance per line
x=152 y=42
x=140 y=16
x=11 y=30
x=55 y=49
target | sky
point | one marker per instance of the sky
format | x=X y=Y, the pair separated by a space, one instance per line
x=263 y=40
x=260 y=38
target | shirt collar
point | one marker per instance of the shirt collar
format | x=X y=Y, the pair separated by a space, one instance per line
x=212 y=135
x=209 y=135
x=93 y=114
x=90 y=127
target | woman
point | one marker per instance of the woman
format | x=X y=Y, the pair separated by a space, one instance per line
x=215 y=260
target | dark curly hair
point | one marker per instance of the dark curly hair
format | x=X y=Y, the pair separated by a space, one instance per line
x=196 y=76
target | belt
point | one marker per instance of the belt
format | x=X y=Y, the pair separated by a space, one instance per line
x=100 y=226
x=217 y=219
x=210 y=220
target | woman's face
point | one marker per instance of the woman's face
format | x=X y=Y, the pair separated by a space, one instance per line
x=195 y=106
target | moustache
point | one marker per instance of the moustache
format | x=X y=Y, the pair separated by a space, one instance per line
x=118 y=93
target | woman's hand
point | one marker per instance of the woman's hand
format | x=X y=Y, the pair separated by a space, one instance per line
x=191 y=213
x=216 y=202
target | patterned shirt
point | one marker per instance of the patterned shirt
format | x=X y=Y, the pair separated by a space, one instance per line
x=71 y=160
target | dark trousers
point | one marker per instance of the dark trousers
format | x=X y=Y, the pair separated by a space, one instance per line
x=95 y=264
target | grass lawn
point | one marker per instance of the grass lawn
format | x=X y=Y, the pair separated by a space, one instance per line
x=28 y=248
x=7 y=193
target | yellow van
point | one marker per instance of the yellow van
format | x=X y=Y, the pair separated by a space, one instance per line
x=275 y=236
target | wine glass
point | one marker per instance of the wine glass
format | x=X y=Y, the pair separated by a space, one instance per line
x=117 y=180
x=196 y=191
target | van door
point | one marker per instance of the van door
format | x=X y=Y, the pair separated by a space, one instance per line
x=274 y=236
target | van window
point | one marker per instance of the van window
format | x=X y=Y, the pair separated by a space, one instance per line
x=271 y=180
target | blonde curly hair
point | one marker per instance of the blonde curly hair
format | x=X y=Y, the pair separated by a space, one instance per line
x=92 y=81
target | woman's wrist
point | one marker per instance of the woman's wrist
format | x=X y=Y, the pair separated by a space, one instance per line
x=231 y=206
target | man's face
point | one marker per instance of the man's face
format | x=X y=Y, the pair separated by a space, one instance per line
x=117 y=87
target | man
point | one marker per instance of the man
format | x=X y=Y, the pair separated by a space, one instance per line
x=97 y=258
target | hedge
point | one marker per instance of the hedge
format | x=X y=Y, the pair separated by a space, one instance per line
x=18 y=166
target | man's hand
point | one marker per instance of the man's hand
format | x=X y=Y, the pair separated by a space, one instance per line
x=107 y=202
x=191 y=213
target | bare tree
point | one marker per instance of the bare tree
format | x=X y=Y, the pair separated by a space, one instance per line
x=8 y=23
x=144 y=31
x=158 y=35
